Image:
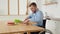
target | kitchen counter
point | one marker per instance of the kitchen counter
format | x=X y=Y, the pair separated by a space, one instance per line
x=55 y=18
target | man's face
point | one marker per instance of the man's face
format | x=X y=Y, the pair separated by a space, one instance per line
x=33 y=8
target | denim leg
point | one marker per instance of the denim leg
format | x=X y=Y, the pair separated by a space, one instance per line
x=34 y=32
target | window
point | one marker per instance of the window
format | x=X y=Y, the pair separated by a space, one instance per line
x=13 y=7
x=3 y=7
x=23 y=7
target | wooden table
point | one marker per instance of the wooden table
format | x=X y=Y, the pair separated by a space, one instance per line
x=20 y=28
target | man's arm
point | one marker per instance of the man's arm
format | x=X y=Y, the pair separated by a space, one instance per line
x=27 y=19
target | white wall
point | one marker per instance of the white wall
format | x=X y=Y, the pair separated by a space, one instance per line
x=58 y=9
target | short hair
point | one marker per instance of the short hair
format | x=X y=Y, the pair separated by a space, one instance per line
x=33 y=3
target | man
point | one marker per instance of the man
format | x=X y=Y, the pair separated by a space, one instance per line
x=36 y=16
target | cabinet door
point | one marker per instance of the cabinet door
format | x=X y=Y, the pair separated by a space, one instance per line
x=57 y=27
x=3 y=7
x=51 y=25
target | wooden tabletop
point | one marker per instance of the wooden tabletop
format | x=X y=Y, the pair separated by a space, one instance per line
x=5 y=28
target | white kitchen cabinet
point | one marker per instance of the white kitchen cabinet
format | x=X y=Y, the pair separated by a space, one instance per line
x=51 y=25
x=57 y=27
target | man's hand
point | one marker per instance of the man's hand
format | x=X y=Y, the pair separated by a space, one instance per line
x=26 y=22
x=26 y=19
